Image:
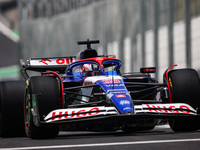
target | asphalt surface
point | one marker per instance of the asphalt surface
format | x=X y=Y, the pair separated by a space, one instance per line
x=161 y=138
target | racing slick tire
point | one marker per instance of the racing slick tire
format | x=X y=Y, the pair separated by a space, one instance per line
x=185 y=88
x=11 y=108
x=42 y=96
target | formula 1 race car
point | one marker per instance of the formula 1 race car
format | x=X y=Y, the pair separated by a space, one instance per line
x=88 y=92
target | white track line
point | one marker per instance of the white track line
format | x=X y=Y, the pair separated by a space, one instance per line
x=102 y=144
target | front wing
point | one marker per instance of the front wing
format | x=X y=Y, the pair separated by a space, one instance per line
x=102 y=113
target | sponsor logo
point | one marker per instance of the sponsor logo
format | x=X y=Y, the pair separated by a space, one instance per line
x=149 y=70
x=45 y=61
x=58 y=115
x=88 y=83
x=108 y=81
x=120 y=95
x=49 y=74
x=115 y=85
x=170 y=82
x=169 y=109
x=59 y=61
x=124 y=102
x=62 y=61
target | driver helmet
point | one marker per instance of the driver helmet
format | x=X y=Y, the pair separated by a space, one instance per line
x=90 y=70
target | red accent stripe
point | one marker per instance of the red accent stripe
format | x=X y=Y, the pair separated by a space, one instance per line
x=61 y=83
x=167 y=76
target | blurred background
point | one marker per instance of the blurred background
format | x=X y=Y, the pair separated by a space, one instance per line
x=141 y=33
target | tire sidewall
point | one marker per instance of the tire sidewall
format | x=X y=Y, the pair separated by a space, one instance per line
x=48 y=99
x=185 y=88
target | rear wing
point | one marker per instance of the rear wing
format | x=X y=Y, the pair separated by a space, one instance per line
x=53 y=61
x=43 y=64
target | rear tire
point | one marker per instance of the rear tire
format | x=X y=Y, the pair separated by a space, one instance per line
x=46 y=90
x=185 y=88
x=11 y=108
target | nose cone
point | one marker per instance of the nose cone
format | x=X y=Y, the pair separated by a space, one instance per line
x=122 y=101
x=116 y=91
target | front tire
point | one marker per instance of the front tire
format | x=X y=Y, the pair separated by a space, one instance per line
x=185 y=88
x=46 y=91
x=11 y=108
